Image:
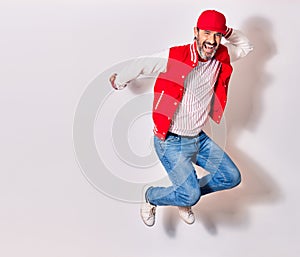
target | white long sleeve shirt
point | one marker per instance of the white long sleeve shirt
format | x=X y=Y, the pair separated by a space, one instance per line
x=237 y=44
x=193 y=110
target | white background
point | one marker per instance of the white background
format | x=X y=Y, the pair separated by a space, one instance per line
x=51 y=51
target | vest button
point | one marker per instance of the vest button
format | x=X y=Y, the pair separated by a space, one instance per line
x=182 y=76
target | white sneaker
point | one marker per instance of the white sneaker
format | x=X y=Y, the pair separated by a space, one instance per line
x=147 y=212
x=186 y=214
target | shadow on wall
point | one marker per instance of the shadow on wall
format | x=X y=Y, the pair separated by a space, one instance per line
x=244 y=112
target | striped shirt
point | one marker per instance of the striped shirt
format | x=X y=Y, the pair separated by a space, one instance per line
x=192 y=113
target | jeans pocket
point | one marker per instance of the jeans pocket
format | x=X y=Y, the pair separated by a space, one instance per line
x=173 y=139
x=170 y=144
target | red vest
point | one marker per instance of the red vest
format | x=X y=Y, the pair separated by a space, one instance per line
x=169 y=86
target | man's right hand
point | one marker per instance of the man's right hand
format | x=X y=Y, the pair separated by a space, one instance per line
x=112 y=81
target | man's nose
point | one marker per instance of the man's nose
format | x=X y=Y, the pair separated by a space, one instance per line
x=211 y=39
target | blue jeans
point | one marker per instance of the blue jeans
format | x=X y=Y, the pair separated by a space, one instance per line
x=177 y=153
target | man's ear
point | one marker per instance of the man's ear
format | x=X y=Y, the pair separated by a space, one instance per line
x=196 y=32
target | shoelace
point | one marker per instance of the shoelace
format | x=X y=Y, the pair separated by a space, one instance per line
x=190 y=213
x=188 y=210
x=152 y=210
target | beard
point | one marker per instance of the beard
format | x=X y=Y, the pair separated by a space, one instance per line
x=207 y=50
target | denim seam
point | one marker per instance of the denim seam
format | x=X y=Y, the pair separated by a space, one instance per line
x=210 y=162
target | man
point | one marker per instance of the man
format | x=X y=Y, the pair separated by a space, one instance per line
x=191 y=86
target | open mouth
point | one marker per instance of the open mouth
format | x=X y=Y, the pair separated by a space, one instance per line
x=209 y=48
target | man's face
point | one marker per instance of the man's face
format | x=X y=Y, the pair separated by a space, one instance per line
x=208 y=42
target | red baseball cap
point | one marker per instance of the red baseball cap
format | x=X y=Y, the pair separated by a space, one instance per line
x=212 y=20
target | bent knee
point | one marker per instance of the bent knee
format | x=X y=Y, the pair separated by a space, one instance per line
x=192 y=197
x=235 y=178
